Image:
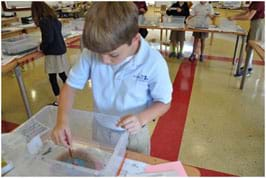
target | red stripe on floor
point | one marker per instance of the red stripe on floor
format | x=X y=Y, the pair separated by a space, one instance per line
x=167 y=135
x=210 y=173
x=8 y=126
x=74 y=46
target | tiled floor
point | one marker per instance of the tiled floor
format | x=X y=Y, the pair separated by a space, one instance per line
x=224 y=129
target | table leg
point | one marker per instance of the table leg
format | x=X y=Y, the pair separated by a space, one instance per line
x=161 y=39
x=248 y=58
x=23 y=90
x=211 y=40
x=240 y=56
x=235 y=51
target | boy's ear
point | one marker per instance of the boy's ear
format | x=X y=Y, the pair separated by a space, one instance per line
x=136 y=38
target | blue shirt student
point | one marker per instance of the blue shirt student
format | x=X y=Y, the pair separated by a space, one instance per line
x=125 y=88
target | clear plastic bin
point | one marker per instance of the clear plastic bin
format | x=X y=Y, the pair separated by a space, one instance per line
x=199 y=22
x=149 y=20
x=67 y=29
x=19 y=45
x=172 y=21
x=98 y=146
x=78 y=24
x=228 y=25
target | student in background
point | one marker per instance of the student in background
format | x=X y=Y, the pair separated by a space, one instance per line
x=178 y=9
x=255 y=14
x=52 y=45
x=129 y=78
x=203 y=8
x=142 y=7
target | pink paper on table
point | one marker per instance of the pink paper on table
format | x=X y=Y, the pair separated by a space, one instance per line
x=171 y=166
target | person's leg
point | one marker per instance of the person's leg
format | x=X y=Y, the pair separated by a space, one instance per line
x=181 y=44
x=180 y=53
x=249 y=55
x=63 y=76
x=173 y=44
x=202 y=47
x=195 y=46
x=180 y=38
x=54 y=85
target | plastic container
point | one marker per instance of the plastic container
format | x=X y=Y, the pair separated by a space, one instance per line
x=199 y=21
x=228 y=25
x=172 y=21
x=78 y=24
x=19 y=45
x=98 y=149
x=67 y=29
x=149 y=20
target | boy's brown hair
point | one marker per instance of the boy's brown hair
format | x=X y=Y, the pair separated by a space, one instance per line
x=41 y=9
x=109 y=25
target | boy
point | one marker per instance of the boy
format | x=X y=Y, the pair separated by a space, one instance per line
x=201 y=9
x=129 y=79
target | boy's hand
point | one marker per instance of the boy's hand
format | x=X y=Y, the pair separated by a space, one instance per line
x=131 y=123
x=61 y=135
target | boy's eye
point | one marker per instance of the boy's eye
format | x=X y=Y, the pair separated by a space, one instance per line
x=114 y=55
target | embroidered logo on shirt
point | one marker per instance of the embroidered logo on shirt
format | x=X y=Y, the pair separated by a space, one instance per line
x=141 y=77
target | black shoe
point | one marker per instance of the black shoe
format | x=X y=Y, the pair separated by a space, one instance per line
x=201 y=58
x=250 y=70
x=192 y=57
x=241 y=72
x=180 y=56
x=172 y=54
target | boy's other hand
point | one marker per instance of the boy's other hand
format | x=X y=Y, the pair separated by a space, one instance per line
x=61 y=135
x=131 y=123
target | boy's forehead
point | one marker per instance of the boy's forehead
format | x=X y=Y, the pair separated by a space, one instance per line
x=117 y=50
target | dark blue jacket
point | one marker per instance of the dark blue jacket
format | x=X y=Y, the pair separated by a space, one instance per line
x=184 y=12
x=52 y=39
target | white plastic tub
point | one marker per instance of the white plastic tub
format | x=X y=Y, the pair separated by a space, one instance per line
x=100 y=146
x=174 y=21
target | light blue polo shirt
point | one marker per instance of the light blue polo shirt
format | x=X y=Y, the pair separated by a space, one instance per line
x=132 y=88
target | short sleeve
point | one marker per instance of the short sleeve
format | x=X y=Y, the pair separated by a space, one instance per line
x=80 y=72
x=192 y=12
x=160 y=84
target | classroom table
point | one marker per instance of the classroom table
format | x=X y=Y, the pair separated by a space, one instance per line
x=12 y=33
x=6 y=21
x=14 y=66
x=238 y=34
x=191 y=171
x=259 y=50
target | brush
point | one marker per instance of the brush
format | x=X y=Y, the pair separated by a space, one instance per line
x=69 y=149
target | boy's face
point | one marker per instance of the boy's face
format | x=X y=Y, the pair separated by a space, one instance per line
x=121 y=53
